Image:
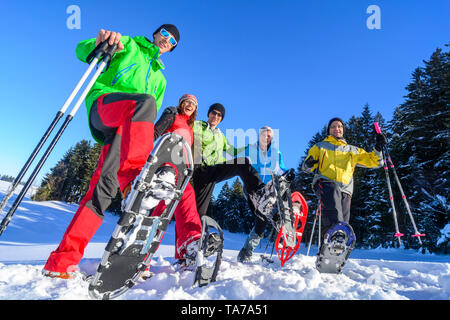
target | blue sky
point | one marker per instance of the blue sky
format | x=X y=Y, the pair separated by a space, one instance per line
x=292 y=65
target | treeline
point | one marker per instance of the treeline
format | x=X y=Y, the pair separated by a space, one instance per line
x=418 y=139
x=69 y=180
x=5 y=177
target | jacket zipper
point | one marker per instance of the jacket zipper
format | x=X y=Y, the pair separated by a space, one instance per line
x=148 y=70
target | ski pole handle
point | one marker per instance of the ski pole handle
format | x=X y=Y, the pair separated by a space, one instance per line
x=108 y=55
x=99 y=50
x=377 y=127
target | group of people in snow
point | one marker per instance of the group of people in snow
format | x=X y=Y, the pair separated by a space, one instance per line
x=122 y=109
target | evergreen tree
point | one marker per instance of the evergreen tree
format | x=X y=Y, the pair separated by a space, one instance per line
x=80 y=171
x=51 y=186
x=5 y=177
x=366 y=210
x=303 y=184
x=420 y=137
x=231 y=210
x=218 y=209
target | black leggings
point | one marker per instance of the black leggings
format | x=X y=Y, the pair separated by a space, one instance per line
x=206 y=177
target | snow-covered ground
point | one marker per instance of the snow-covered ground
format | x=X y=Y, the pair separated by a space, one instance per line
x=380 y=274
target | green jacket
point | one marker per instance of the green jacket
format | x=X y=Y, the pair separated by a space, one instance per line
x=135 y=69
x=209 y=145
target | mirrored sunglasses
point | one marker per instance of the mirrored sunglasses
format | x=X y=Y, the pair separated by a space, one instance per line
x=166 y=34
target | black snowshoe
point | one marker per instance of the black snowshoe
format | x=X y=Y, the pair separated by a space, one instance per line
x=138 y=234
x=273 y=202
x=209 y=256
x=336 y=248
x=276 y=205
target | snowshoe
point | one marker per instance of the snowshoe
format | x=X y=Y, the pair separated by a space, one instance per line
x=276 y=204
x=338 y=243
x=264 y=201
x=291 y=229
x=209 y=256
x=138 y=234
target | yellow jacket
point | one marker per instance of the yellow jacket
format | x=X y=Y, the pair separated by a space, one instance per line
x=337 y=161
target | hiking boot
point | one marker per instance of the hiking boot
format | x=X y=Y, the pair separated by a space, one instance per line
x=147 y=274
x=337 y=242
x=126 y=191
x=213 y=244
x=244 y=255
x=264 y=199
x=190 y=255
x=162 y=187
x=60 y=275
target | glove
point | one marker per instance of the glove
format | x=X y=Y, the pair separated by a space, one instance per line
x=289 y=175
x=164 y=122
x=380 y=142
x=170 y=110
x=310 y=162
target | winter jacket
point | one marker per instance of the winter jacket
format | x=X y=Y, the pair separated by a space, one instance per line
x=210 y=144
x=337 y=161
x=135 y=69
x=180 y=126
x=171 y=121
x=264 y=162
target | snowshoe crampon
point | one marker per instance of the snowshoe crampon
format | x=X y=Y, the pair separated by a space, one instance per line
x=210 y=251
x=291 y=231
x=138 y=234
x=336 y=248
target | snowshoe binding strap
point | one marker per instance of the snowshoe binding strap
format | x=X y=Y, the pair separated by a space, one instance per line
x=210 y=243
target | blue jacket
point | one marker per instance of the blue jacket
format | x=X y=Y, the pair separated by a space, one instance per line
x=264 y=162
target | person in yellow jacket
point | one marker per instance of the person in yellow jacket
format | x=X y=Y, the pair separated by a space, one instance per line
x=333 y=161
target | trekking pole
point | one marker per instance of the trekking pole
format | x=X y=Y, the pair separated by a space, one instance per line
x=385 y=150
x=386 y=156
x=263 y=256
x=95 y=57
x=405 y=201
x=98 y=51
x=314 y=226
x=397 y=234
x=319 y=240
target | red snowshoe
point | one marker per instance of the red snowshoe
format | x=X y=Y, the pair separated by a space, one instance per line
x=291 y=229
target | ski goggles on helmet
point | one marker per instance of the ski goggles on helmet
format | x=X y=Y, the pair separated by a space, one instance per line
x=166 y=35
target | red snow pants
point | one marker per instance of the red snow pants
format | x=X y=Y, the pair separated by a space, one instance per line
x=125 y=124
x=188 y=226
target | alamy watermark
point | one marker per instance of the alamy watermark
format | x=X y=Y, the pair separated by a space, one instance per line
x=246 y=142
x=74 y=19
x=374 y=20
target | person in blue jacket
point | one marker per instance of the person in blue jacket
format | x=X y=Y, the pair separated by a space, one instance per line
x=266 y=159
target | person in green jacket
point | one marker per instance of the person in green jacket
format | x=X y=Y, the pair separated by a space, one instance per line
x=121 y=107
x=211 y=142
x=211 y=166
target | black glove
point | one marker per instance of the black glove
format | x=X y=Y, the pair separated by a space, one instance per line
x=289 y=175
x=380 y=142
x=165 y=121
x=170 y=110
x=310 y=162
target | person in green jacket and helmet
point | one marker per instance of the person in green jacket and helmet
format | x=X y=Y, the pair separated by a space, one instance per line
x=122 y=107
